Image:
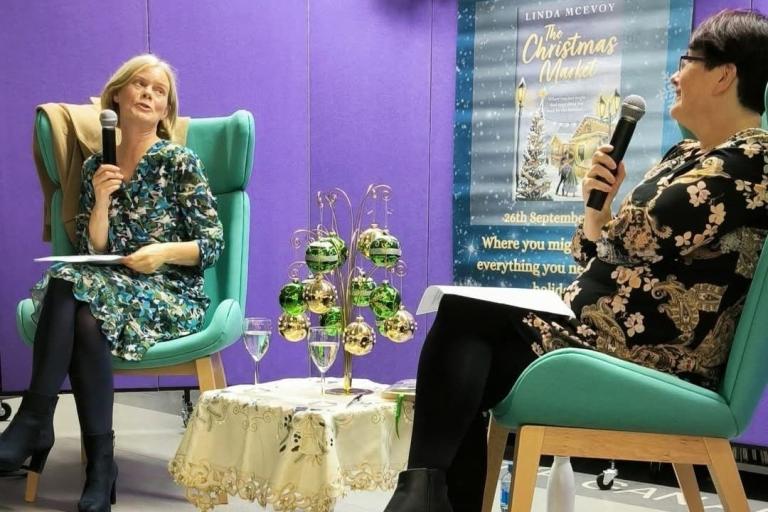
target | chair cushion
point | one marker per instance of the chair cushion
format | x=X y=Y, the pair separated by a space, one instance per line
x=224 y=329
x=588 y=389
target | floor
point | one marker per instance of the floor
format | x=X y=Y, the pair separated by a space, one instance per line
x=149 y=429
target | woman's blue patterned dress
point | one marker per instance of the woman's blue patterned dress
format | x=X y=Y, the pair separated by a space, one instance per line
x=167 y=200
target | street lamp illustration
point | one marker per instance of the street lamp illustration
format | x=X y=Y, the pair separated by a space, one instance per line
x=520 y=98
x=608 y=106
x=602 y=108
x=615 y=102
x=612 y=103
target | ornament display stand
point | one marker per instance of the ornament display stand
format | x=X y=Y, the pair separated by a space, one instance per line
x=340 y=282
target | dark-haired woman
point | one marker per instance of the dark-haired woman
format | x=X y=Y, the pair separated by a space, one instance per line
x=678 y=255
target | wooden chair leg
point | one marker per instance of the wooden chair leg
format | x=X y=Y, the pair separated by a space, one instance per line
x=205 y=374
x=30 y=494
x=525 y=469
x=686 y=477
x=725 y=474
x=497 y=441
x=218 y=371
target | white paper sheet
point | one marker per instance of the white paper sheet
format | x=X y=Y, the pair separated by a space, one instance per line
x=94 y=259
x=536 y=300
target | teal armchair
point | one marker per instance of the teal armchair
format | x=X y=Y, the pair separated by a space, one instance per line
x=225 y=145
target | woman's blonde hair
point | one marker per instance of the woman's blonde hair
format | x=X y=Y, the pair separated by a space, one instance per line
x=125 y=74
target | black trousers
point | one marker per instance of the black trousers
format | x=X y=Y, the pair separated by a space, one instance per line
x=472 y=356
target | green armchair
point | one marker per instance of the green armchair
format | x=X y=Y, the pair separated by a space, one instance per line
x=225 y=145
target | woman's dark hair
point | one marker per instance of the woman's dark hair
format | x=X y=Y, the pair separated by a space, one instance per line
x=740 y=38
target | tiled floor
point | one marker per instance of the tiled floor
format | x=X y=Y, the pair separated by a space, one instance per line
x=149 y=430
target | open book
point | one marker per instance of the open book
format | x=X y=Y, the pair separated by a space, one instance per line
x=93 y=259
x=537 y=300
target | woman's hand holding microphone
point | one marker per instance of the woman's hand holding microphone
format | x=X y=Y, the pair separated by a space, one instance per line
x=106 y=180
x=603 y=166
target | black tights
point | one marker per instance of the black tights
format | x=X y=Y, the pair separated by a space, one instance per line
x=69 y=340
x=471 y=358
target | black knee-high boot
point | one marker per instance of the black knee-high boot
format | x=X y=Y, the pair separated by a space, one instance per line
x=99 y=493
x=30 y=434
x=420 y=490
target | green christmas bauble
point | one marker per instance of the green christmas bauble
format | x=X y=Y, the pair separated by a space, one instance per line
x=332 y=320
x=360 y=289
x=321 y=256
x=359 y=337
x=292 y=298
x=341 y=247
x=400 y=327
x=320 y=295
x=365 y=238
x=385 y=300
x=384 y=251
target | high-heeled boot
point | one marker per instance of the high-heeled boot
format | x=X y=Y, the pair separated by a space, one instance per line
x=30 y=434
x=99 y=493
x=420 y=490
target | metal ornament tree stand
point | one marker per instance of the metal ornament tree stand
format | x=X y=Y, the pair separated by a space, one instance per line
x=340 y=278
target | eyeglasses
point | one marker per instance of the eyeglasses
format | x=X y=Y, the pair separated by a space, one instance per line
x=684 y=59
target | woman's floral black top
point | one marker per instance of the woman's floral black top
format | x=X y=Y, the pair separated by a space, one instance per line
x=665 y=283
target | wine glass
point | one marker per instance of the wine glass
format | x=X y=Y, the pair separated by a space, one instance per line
x=256 y=332
x=323 y=347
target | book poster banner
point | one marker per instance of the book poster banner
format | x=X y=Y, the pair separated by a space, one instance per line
x=539 y=87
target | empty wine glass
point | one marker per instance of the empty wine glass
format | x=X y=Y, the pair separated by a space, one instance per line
x=256 y=332
x=323 y=347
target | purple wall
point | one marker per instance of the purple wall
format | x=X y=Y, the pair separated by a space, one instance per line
x=343 y=93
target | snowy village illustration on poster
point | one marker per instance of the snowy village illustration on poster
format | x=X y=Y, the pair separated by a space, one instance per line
x=539 y=88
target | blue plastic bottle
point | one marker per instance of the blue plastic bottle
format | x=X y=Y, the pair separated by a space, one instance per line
x=506 y=480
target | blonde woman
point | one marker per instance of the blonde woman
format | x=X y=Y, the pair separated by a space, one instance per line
x=156 y=208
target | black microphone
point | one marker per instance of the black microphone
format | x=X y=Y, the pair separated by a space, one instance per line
x=632 y=109
x=108 y=120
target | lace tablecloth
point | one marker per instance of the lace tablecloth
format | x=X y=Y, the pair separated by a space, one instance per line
x=267 y=443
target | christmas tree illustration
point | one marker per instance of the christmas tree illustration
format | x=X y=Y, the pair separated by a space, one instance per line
x=533 y=183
